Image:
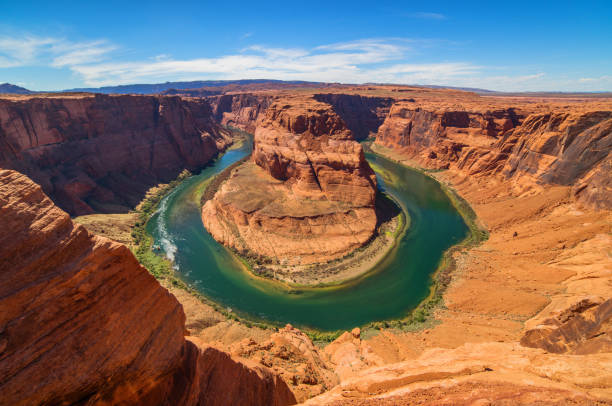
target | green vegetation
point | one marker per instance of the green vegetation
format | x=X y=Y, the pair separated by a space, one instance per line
x=160 y=266
x=423 y=315
x=419 y=318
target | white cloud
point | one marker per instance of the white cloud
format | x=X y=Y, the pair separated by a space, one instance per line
x=355 y=61
x=21 y=51
x=80 y=53
x=31 y=50
x=604 y=78
x=380 y=60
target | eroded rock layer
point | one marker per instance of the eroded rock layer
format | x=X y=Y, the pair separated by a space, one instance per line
x=362 y=114
x=239 y=110
x=308 y=194
x=101 y=153
x=530 y=145
x=83 y=323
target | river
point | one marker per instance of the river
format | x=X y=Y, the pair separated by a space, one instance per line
x=391 y=290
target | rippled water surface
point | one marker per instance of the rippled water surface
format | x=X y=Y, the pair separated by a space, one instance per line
x=395 y=287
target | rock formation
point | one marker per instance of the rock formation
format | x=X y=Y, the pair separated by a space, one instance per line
x=83 y=323
x=437 y=137
x=239 y=110
x=531 y=147
x=292 y=355
x=308 y=194
x=527 y=314
x=362 y=114
x=101 y=153
x=485 y=373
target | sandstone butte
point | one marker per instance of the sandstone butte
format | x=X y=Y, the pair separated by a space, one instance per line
x=527 y=317
x=308 y=195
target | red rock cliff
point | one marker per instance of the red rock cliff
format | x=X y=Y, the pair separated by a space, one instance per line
x=239 y=110
x=363 y=115
x=572 y=148
x=81 y=322
x=101 y=153
x=308 y=194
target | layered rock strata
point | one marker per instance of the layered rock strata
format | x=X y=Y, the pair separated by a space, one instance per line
x=306 y=197
x=531 y=148
x=239 y=110
x=363 y=115
x=83 y=323
x=100 y=153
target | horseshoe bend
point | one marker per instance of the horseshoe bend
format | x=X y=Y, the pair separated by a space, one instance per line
x=269 y=242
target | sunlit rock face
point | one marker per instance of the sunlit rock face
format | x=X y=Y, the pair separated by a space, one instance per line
x=82 y=322
x=100 y=153
x=308 y=194
x=531 y=146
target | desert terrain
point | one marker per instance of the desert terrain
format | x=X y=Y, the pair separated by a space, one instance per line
x=525 y=316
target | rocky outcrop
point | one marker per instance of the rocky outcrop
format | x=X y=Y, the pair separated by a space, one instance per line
x=291 y=354
x=486 y=373
x=437 y=137
x=566 y=149
x=83 y=323
x=309 y=146
x=541 y=148
x=584 y=327
x=101 y=153
x=212 y=377
x=307 y=197
x=362 y=114
x=239 y=110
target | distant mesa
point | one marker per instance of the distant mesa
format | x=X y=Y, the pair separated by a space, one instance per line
x=8 y=88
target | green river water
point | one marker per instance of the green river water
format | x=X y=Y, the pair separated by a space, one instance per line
x=390 y=291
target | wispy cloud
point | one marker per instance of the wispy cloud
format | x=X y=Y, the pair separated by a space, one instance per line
x=20 y=51
x=605 y=78
x=355 y=61
x=425 y=15
x=32 y=50
x=381 y=60
x=79 y=53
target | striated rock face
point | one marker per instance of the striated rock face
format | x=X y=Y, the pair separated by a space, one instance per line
x=239 y=110
x=540 y=148
x=307 y=197
x=585 y=327
x=362 y=114
x=564 y=149
x=101 y=153
x=310 y=147
x=437 y=137
x=83 y=323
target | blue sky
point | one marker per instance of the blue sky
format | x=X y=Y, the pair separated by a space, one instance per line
x=510 y=46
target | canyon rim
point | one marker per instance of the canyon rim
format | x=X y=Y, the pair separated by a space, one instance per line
x=369 y=226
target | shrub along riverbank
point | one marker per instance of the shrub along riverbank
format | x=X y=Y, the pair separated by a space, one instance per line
x=421 y=317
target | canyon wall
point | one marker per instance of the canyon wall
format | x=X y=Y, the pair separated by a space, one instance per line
x=529 y=147
x=83 y=323
x=101 y=153
x=362 y=114
x=239 y=110
x=308 y=195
